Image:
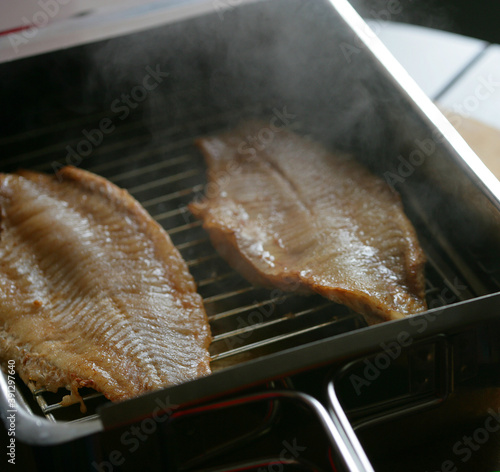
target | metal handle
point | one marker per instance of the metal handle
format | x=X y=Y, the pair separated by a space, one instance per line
x=353 y=451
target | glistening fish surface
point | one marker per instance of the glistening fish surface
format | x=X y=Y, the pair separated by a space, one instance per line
x=293 y=215
x=92 y=291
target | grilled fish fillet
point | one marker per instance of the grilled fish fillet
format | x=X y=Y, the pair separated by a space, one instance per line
x=287 y=213
x=92 y=291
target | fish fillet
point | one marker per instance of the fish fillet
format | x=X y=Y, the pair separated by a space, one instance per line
x=287 y=213
x=92 y=291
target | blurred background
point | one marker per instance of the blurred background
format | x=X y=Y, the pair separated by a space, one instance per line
x=478 y=19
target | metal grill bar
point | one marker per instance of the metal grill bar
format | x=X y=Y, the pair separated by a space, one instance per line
x=222 y=296
x=241 y=309
x=119 y=144
x=165 y=187
x=167 y=214
x=268 y=341
x=79 y=122
x=213 y=280
x=189 y=244
x=165 y=180
x=183 y=228
x=42 y=402
x=153 y=167
x=53 y=127
x=173 y=195
x=48 y=409
x=201 y=260
x=138 y=156
x=170 y=146
x=269 y=323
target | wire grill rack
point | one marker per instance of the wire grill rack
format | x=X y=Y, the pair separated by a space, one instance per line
x=164 y=172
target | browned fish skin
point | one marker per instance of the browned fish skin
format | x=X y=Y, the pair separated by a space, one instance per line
x=293 y=215
x=92 y=290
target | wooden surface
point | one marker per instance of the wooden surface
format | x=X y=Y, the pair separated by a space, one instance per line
x=462 y=75
x=482 y=138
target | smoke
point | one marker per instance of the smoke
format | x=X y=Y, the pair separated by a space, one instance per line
x=429 y=13
x=206 y=73
x=251 y=59
x=201 y=75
